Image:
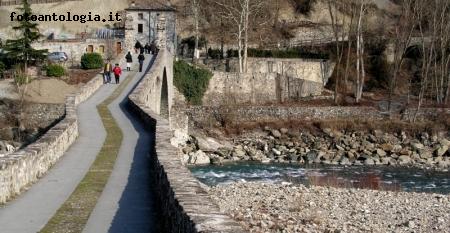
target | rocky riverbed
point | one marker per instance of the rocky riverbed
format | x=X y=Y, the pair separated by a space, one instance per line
x=326 y=147
x=286 y=208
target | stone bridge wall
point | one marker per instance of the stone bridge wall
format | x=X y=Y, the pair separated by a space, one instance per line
x=24 y=167
x=184 y=204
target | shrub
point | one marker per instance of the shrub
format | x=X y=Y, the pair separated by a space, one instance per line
x=21 y=79
x=2 y=69
x=190 y=41
x=191 y=81
x=215 y=53
x=91 y=61
x=55 y=70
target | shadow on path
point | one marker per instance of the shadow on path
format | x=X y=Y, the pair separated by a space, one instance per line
x=137 y=209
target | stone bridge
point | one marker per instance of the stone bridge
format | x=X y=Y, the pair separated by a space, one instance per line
x=148 y=178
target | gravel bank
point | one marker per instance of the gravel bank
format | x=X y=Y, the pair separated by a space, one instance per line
x=285 y=208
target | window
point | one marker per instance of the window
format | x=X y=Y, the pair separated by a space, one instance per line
x=101 y=49
x=141 y=16
x=140 y=28
x=90 y=48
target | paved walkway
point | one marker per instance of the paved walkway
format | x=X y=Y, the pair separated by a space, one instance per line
x=122 y=206
x=125 y=205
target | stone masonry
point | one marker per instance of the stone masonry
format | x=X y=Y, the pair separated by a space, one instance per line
x=24 y=167
x=185 y=204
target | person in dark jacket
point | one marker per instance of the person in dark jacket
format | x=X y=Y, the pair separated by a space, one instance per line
x=129 y=60
x=137 y=47
x=153 y=47
x=141 y=59
x=147 y=48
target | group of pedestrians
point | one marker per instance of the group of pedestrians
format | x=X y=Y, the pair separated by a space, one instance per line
x=129 y=60
x=147 y=48
x=117 y=71
x=108 y=70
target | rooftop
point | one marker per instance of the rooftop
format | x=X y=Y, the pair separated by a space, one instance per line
x=150 y=5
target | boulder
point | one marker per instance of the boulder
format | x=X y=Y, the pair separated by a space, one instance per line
x=369 y=161
x=179 y=139
x=345 y=161
x=385 y=160
x=223 y=152
x=276 y=152
x=425 y=154
x=441 y=150
x=239 y=152
x=417 y=146
x=381 y=152
x=284 y=130
x=311 y=156
x=217 y=160
x=387 y=147
x=444 y=142
x=404 y=160
x=275 y=133
x=199 y=158
x=208 y=144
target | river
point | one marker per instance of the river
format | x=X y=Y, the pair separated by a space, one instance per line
x=374 y=177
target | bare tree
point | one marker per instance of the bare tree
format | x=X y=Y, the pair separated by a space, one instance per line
x=232 y=12
x=338 y=27
x=353 y=9
x=241 y=14
x=360 y=70
x=195 y=8
x=403 y=30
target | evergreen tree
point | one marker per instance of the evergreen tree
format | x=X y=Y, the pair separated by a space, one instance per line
x=20 y=50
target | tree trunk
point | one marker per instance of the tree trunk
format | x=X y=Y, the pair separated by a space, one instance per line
x=246 y=23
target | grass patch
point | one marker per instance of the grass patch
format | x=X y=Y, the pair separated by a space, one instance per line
x=73 y=215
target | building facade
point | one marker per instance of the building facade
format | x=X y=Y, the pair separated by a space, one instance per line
x=149 y=22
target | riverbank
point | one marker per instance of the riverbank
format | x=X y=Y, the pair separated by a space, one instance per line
x=263 y=207
x=325 y=147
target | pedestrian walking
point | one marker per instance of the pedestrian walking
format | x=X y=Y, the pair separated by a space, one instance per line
x=147 y=48
x=129 y=60
x=107 y=69
x=153 y=47
x=117 y=72
x=137 y=47
x=141 y=59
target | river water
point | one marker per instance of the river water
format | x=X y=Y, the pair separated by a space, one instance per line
x=375 y=177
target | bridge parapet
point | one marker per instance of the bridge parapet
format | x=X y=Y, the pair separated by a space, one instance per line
x=185 y=204
x=24 y=167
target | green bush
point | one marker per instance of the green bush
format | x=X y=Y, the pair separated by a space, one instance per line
x=2 y=69
x=191 y=81
x=21 y=79
x=55 y=70
x=91 y=61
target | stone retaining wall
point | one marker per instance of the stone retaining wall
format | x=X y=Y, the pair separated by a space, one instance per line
x=24 y=167
x=184 y=204
x=277 y=113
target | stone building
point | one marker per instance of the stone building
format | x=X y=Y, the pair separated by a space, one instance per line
x=148 y=21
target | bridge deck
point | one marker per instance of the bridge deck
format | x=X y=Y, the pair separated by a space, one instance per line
x=122 y=201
